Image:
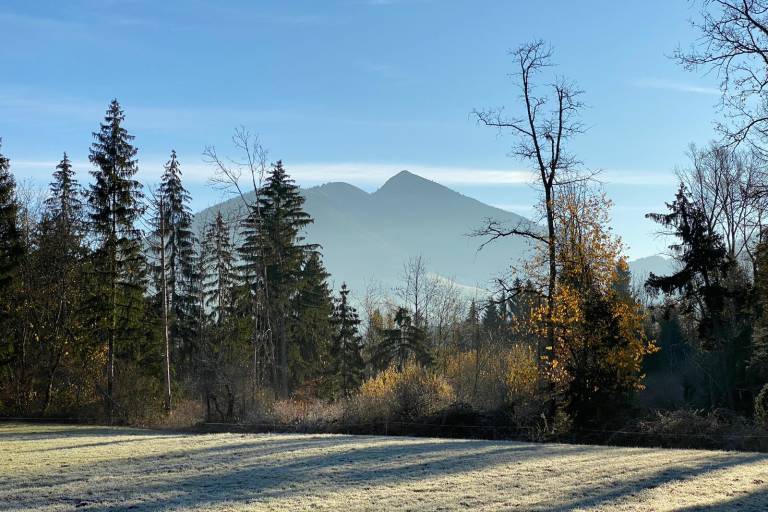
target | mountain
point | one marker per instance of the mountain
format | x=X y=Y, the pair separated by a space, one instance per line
x=367 y=237
x=643 y=267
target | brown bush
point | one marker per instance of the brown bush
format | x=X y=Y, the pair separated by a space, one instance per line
x=500 y=377
x=404 y=395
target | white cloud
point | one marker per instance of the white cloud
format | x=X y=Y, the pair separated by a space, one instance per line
x=356 y=173
x=653 y=83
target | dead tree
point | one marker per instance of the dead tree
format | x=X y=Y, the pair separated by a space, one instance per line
x=231 y=174
x=547 y=122
x=734 y=45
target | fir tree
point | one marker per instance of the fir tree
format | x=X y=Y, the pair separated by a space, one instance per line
x=11 y=253
x=704 y=267
x=174 y=237
x=311 y=328
x=11 y=244
x=59 y=284
x=346 y=344
x=115 y=203
x=401 y=343
x=273 y=251
x=218 y=267
x=64 y=204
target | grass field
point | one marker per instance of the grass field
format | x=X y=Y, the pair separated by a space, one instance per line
x=46 y=467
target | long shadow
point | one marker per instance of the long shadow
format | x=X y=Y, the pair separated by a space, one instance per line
x=343 y=465
x=353 y=470
x=668 y=474
x=359 y=469
x=757 y=499
x=252 y=480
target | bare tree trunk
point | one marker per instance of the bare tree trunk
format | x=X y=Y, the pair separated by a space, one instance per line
x=166 y=330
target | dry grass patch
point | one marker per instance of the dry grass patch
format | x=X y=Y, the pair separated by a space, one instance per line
x=52 y=468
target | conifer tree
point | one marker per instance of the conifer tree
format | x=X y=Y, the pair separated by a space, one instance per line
x=311 y=328
x=115 y=204
x=346 y=344
x=218 y=264
x=273 y=251
x=11 y=246
x=174 y=240
x=59 y=287
x=11 y=252
x=404 y=341
x=65 y=203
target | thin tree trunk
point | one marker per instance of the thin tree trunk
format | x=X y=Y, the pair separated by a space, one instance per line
x=166 y=331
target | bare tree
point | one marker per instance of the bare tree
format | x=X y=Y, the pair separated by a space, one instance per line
x=448 y=305
x=548 y=121
x=416 y=290
x=734 y=45
x=237 y=175
x=727 y=186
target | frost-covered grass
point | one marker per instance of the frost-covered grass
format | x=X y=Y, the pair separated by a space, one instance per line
x=44 y=467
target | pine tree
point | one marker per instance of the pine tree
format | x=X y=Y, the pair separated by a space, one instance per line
x=60 y=287
x=175 y=241
x=273 y=251
x=11 y=246
x=115 y=202
x=404 y=341
x=219 y=270
x=346 y=344
x=65 y=203
x=312 y=307
x=11 y=253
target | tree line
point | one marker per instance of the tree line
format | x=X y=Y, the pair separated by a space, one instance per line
x=110 y=297
x=115 y=307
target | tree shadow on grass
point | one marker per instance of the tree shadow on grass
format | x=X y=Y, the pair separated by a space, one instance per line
x=255 y=470
x=410 y=463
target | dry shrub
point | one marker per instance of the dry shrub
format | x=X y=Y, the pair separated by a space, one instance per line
x=761 y=407
x=498 y=378
x=718 y=429
x=186 y=413
x=407 y=395
x=305 y=415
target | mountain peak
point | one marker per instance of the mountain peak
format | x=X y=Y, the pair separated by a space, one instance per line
x=408 y=182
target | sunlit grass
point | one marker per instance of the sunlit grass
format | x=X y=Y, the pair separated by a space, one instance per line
x=49 y=468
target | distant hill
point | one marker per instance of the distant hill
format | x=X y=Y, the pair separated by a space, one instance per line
x=643 y=267
x=368 y=236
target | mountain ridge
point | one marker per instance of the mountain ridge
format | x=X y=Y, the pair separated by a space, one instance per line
x=367 y=237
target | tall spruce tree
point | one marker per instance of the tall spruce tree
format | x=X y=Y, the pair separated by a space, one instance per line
x=312 y=306
x=218 y=263
x=64 y=204
x=273 y=251
x=60 y=288
x=174 y=240
x=346 y=345
x=11 y=245
x=11 y=253
x=115 y=203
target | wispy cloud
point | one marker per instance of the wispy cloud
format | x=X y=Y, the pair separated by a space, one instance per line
x=364 y=174
x=376 y=174
x=653 y=83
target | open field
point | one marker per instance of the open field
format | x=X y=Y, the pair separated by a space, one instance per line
x=46 y=467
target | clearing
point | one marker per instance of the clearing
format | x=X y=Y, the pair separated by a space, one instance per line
x=64 y=467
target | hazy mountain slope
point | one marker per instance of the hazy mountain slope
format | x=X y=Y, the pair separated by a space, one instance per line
x=643 y=267
x=367 y=237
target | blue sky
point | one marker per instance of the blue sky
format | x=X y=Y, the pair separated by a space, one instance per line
x=354 y=90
